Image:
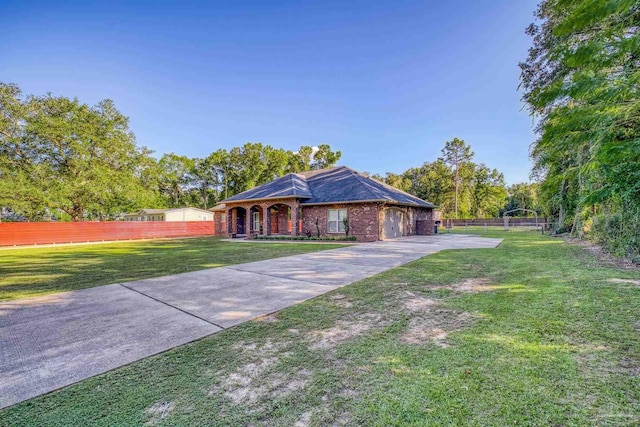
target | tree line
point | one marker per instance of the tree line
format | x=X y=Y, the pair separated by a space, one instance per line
x=62 y=158
x=581 y=82
x=462 y=188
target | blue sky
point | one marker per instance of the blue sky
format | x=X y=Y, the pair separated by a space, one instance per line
x=387 y=83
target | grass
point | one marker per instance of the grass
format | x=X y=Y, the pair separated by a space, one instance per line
x=38 y=271
x=534 y=332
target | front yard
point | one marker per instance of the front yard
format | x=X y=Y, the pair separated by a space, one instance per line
x=534 y=332
x=38 y=271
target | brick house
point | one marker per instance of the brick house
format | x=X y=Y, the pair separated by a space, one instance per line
x=319 y=201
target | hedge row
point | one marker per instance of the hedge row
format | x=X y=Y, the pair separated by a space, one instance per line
x=329 y=238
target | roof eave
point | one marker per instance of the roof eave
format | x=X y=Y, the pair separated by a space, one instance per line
x=265 y=198
x=337 y=202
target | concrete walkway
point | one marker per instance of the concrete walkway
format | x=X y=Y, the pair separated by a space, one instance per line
x=52 y=341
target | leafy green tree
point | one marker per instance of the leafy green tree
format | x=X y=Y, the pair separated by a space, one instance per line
x=205 y=181
x=457 y=154
x=59 y=154
x=523 y=195
x=433 y=181
x=401 y=182
x=488 y=192
x=324 y=157
x=308 y=158
x=175 y=178
x=300 y=160
x=580 y=80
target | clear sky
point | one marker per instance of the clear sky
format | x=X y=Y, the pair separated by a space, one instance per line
x=385 y=82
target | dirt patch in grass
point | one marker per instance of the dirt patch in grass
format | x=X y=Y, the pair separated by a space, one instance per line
x=253 y=380
x=269 y=318
x=599 y=363
x=159 y=411
x=341 y=300
x=344 y=330
x=431 y=322
x=471 y=285
x=625 y=281
x=325 y=416
x=241 y=386
x=415 y=303
x=604 y=257
x=304 y=419
x=283 y=385
x=436 y=326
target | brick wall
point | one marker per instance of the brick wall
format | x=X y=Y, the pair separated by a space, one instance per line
x=363 y=220
x=220 y=226
x=424 y=222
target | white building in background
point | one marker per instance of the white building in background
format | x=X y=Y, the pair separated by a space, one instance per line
x=170 y=215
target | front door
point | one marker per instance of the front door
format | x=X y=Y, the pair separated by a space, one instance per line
x=274 y=222
x=240 y=224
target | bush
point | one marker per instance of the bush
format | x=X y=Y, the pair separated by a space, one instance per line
x=313 y=238
x=618 y=233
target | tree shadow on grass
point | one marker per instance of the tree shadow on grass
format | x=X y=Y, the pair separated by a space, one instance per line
x=37 y=271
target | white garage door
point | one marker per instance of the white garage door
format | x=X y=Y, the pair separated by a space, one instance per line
x=393 y=225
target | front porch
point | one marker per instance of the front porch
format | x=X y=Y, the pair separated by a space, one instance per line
x=276 y=217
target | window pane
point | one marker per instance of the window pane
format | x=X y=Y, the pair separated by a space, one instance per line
x=333 y=226
x=333 y=215
x=341 y=227
x=342 y=213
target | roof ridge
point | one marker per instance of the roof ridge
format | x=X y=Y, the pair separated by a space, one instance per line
x=359 y=177
x=396 y=189
x=390 y=187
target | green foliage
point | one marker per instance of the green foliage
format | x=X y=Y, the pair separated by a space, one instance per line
x=46 y=270
x=345 y=224
x=454 y=183
x=550 y=340
x=175 y=177
x=523 y=195
x=60 y=155
x=312 y=238
x=581 y=81
x=63 y=158
x=203 y=182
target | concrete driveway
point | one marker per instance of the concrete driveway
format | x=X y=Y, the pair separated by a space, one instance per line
x=52 y=341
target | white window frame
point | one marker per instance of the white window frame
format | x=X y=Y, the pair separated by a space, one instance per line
x=256 y=222
x=334 y=222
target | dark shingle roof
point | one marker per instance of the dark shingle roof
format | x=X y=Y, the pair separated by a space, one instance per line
x=291 y=185
x=332 y=185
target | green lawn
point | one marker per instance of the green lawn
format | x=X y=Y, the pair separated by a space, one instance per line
x=38 y=271
x=535 y=332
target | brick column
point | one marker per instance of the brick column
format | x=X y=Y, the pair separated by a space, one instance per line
x=247 y=221
x=232 y=215
x=294 y=219
x=266 y=220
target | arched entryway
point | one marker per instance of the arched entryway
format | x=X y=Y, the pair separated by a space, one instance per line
x=237 y=218
x=279 y=217
x=256 y=216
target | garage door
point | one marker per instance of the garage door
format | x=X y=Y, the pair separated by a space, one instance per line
x=393 y=225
